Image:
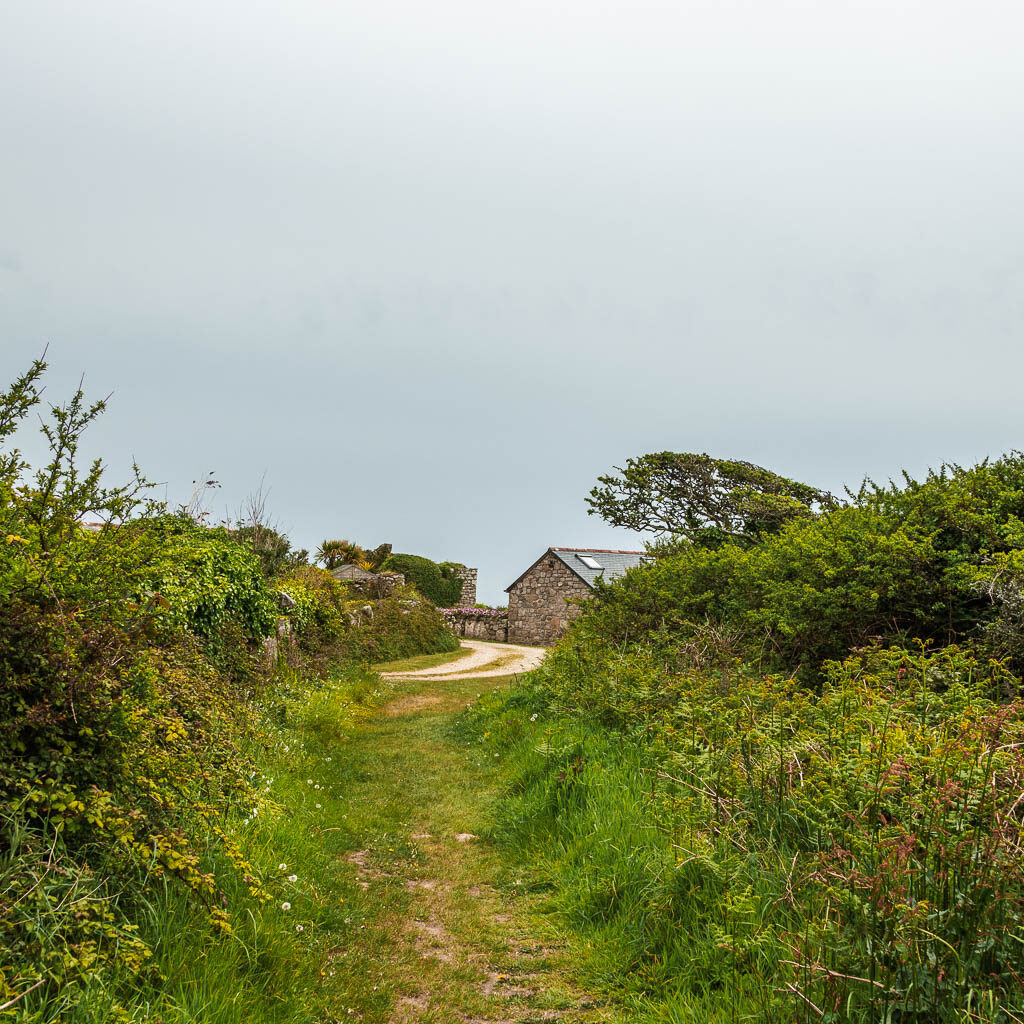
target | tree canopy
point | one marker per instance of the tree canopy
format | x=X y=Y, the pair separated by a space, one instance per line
x=702 y=499
x=334 y=553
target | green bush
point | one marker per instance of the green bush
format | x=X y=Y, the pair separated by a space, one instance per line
x=939 y=560
x=779 y=778
x=733 y=841
x=318 y=620
x=205 y=576
x=329 y=625
x=437 y=583
x=401 y=626
x=134 y=694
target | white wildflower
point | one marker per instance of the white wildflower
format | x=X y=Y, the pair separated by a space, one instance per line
x=293 y=878
x=282 y=867
x=286 y=906
x=298 y=928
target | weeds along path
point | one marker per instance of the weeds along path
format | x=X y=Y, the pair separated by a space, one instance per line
x=454 y=933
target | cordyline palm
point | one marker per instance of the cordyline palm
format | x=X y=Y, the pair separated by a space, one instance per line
x=333 y=553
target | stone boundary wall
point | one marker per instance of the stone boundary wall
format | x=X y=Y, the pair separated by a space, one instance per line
x=383 y=584
x=275 y=646
x=477 y=623
x=468 y=577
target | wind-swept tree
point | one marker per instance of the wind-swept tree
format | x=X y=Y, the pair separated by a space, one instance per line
x=702 y=499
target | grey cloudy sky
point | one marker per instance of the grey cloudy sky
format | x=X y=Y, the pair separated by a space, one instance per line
x=434 y=267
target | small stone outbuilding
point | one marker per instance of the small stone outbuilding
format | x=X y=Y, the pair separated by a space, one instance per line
x=538 y=602
x=349 y=573
x=380 y=584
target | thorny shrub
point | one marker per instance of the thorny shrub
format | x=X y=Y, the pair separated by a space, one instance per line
x=849 y=854
x=132 y=683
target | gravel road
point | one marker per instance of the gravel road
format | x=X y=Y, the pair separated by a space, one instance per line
x=486 y=660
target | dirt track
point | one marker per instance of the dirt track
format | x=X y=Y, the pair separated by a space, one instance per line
x=486 y=660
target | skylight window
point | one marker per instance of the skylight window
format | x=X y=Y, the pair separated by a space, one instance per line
x=590 y=563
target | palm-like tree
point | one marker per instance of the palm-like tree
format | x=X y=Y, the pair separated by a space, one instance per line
x=333 y=553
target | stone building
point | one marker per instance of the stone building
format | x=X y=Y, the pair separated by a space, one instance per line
x=381 y=584
x=351 y=573
x=538 y=602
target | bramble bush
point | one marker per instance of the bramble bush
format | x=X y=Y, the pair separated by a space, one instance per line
x=134 y=702
x=782 y=779
x=939 y=560
x=743 y=847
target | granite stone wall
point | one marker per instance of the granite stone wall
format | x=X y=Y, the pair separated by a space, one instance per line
x=275 y=646
x=382 y=584
x=538 y=612
x=478 y=623
x=468 y=577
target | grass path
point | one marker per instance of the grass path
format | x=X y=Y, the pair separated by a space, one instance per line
x=450 y=933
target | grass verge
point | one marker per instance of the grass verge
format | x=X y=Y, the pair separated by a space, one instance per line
x=385 y=902
x=742 y=850
x=420 y=661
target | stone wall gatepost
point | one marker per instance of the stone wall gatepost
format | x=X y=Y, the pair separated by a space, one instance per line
x=468 y=577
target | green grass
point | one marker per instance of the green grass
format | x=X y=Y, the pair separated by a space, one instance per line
x=390 y=917
x=419 y=661
x=309 y=961
x=591 y=831
x=691 y=853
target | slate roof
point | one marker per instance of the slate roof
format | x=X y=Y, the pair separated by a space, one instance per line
x=613 y=563
x=351 y=572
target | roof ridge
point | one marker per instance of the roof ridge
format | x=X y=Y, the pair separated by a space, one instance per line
x=601 y=551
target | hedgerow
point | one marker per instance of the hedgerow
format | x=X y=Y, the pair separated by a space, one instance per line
x=939 y=560
x=135 y=701
x=782 y=779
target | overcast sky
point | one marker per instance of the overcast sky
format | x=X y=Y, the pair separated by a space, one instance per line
x=433 y=268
